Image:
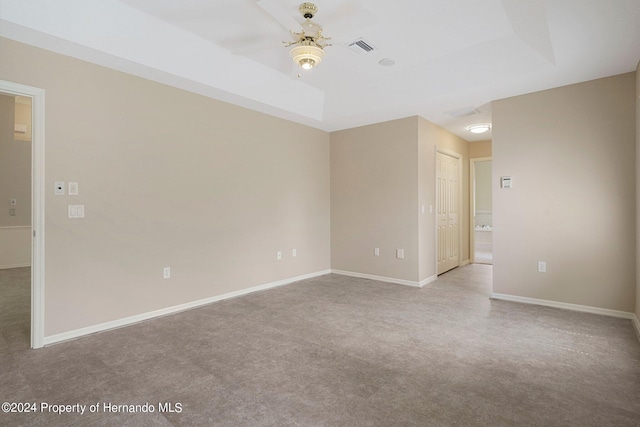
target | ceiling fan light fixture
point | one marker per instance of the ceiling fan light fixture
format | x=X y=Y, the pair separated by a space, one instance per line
x=479 y=128
x=307 y=63
x=307 y=56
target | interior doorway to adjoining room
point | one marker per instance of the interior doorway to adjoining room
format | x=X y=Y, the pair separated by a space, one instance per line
x=22 y=196
x=15 y=215
x=481 y=211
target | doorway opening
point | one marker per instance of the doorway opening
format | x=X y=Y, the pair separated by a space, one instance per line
x=481 y=211
x=15 y=218
x=22 y=210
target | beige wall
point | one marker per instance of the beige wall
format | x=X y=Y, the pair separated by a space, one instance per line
x=426 y=197
x=482 y=175
x=15 y=170
x=23 y=117
x=168 y=178
x=7 y=119
x=381 y=176
x=638 y=193
x=571 y=154
x=374 y=187
x=478 y=149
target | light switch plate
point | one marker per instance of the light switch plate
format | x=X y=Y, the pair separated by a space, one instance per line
x=73 y=188
x=76 y=211
x=542 y=266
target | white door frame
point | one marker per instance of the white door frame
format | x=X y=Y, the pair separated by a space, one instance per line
x=37 y=205
x=435 y=169
x=472 y=204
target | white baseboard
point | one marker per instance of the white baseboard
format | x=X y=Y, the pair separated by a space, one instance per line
x=465 y=262
x=428 y=280
x=65 y=336
x=382 y=279
x=565 y=305
x=5 y=267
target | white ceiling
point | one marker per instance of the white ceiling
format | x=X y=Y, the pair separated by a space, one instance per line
x=451 y=57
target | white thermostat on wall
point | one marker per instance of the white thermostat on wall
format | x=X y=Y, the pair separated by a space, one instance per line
x=506 y=182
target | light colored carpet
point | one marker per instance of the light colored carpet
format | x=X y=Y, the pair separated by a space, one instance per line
x=336 y=351
x=482 y=257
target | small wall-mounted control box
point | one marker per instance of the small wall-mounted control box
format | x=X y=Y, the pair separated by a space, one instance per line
x=506 y=182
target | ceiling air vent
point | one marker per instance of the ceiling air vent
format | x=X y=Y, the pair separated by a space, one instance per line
x=361 y=46
x=463 y=112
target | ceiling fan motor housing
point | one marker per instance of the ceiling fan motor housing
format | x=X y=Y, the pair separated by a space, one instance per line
x=308 y=10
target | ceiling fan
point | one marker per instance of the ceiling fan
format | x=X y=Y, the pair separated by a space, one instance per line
x=308 y=41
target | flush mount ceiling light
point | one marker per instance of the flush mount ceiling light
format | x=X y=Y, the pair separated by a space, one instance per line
x=479 y=128
x=309 y=43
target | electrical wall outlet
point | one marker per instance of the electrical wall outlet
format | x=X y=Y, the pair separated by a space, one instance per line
x=542 y=266
x=400 y=253
x=166 y=272
x=76 y=211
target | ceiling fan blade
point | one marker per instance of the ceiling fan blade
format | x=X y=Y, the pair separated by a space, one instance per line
x=280 y=14
x=248 y=49
x=348 y=21
x=249 y=43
